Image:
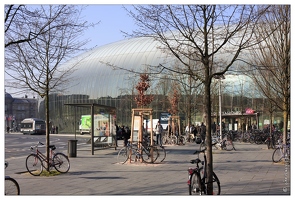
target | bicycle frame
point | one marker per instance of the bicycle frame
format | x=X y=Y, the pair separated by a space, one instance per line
x=138 y=150
x=141 y=148
x=199 y=169
x=42 y=156
x=201 y=173
x=283 y=150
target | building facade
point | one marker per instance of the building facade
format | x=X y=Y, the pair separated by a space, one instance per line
x=17 y=109
x=107 y=75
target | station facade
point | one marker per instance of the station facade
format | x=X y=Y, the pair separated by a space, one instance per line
x=107 y=75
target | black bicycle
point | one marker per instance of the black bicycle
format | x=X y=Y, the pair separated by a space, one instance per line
x=197 y=177
x=11 y=185
x=147 y=154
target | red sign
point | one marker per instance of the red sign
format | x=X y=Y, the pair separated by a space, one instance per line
x=249 y=111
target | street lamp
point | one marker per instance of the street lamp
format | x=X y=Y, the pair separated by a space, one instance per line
x=220 y=77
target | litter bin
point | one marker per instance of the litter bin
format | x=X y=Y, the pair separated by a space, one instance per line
x=72 y=148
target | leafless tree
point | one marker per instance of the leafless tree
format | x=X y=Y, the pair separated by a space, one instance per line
x=205 y=39
x=271 y=60
x=36 y=48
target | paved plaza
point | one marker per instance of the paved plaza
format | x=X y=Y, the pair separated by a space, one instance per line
x=247 y=171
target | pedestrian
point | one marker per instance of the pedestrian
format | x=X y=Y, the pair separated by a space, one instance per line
x=203 y=131
x=213 y=128
x=194 y=131
x=56 y=130
x=159 y=130
x=128 y=132
x=124 y=134
x=53 y=130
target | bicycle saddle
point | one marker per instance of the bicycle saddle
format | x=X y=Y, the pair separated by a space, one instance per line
x=195 y=161
x=52 y=147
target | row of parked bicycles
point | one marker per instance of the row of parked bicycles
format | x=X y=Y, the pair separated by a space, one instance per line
x=258 y=137
x=141 y=151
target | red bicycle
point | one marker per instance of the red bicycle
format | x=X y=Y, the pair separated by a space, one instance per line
x=35 y=162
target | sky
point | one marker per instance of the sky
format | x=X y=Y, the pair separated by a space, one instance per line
x=112 y=18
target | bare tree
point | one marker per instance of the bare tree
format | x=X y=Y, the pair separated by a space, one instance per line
x=205 y=39
x=35 y=63
x=271 y=59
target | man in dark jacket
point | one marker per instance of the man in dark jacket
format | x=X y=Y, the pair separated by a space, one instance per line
x=203 y=131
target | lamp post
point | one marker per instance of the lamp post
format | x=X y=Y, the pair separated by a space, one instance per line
x=219 y=77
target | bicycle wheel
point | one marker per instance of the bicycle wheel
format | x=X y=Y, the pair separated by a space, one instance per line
x=277 y=155
x=173 y=139
x=11 y=186
x=251 y=140
x=161 y=154
x=216 y=185
x=149 y=154
x=182 y=140
x=164 y=140
x=195 y=187
x=122 y=155
x=61 y=162
x=229 y=146
x=34 y=165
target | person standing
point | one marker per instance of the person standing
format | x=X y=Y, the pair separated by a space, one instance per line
x=213 y=128
x=124 y=134
x=53 y=129
x=159 y=130
x=203 y=131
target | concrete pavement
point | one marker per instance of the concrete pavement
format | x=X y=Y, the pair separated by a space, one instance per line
x=247 y=171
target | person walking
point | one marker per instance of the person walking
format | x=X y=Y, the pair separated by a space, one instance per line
x=159 y=130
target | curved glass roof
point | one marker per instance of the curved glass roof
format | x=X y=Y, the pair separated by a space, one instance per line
x=94 y=77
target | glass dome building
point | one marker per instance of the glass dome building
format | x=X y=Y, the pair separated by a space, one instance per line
x=107 y=75
x=107 y=70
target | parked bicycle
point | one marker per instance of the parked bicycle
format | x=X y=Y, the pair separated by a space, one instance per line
x=197 y=177
x=147 y=154
x=36 y=161
x=169 y=139
x=181 y=140
x=160 y=149
x=282 y=151
x=225 y=144
x=11 y=185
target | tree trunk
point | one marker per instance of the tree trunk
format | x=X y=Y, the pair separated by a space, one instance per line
x=207 y=100
x=47 y=129
x=47 y=117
